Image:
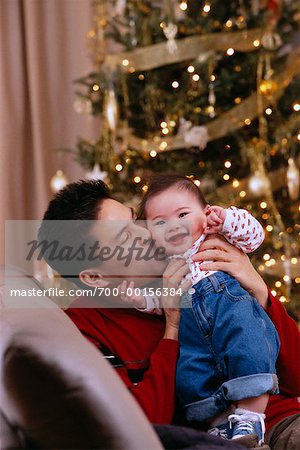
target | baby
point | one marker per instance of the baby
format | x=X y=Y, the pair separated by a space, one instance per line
x=228 y=345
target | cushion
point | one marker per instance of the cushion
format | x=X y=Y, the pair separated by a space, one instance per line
x=57 y=388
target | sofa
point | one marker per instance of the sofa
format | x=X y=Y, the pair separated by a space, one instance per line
x=56 y=392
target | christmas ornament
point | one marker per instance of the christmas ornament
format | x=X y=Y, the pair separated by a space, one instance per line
x=58 y=181
x=268 y=87
x=241 y=22
x=211 y=100
x=111 y=109
x=194 y=136
x=170 y=32
x=271 y=41
x=266 y=83
x=120 y=7
x=83 y=105
x=293 y=177
x=258 y=183
x=197 y=137
x=96 y=173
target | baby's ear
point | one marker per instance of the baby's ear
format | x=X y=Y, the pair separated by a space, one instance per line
x=207 y=210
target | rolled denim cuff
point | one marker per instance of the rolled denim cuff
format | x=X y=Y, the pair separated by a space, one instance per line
x=231 y=391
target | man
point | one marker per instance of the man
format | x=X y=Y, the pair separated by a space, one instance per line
x=144 y=348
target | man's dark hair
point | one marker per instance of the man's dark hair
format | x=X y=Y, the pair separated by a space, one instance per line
x=161 y=182
x=76 y=205
x=81 y=200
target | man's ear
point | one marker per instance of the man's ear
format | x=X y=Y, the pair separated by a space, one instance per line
x=93 y=278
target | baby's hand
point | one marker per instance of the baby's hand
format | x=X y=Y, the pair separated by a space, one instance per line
x=133 y=300
x=216 y=216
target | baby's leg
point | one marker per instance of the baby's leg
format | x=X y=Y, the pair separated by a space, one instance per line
x=222 y=417
x=248 y=343
x=249 y=418
x=255 y=404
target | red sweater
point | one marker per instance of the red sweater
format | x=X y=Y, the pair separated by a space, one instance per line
x=136 y=338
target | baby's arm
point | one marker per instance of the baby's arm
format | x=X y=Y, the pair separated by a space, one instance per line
x=145 y=303
x=239 y=227
x=242 y=229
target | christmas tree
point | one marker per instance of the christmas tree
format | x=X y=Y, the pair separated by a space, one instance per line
x=209 y=89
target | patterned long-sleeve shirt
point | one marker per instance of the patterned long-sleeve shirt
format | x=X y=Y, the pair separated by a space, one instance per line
x=240 y=228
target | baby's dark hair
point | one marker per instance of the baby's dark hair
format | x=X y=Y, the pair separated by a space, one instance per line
x=162 y=182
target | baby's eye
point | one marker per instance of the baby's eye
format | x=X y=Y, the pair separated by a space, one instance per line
x=160 y=222
x=183 y=214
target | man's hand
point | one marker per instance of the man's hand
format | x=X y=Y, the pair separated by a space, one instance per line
x=172 y=279
x=216 y=216
x=227 y=258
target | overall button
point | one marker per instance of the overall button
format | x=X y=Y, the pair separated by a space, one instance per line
x=191 y=291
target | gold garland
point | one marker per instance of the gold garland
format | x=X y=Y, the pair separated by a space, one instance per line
x=157 y=55
x=228 y=121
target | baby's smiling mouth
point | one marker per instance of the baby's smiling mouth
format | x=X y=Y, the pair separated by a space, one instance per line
x=177 y=239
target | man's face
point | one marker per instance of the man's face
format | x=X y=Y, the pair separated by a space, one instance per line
x=133 y=256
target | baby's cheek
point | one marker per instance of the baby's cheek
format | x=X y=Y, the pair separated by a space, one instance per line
x=199 y=225
x=158 y=237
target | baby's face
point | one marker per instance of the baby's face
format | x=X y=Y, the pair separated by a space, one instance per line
x=176 y=219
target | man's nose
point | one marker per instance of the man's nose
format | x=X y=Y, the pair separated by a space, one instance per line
x=142 y=232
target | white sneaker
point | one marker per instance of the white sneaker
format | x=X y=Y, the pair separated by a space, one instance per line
x=246 y=423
